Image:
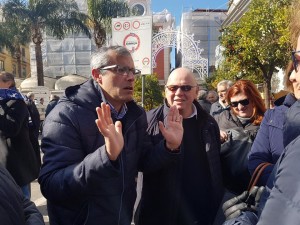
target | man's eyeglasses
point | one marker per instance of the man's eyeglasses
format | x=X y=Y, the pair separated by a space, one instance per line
x=296 y=59
x=243 y=102
x=184 y=88
x=122 y=70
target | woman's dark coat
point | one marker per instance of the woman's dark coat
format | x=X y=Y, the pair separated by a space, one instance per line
x=234 y=152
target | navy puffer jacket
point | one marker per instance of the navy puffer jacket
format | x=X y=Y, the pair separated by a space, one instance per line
x=15 y=209
x=268 y=144
x=282 y=206
x=81 y=184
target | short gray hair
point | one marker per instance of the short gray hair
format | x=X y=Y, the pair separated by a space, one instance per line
x=30 y=94
x=6 y=77
x=102 y=57
x=213 y=92
x=227 y=83
x=202 y=94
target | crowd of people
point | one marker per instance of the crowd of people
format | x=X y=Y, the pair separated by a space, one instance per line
x=197 y=151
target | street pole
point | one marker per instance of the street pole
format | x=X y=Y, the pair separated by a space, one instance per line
x=143 y=89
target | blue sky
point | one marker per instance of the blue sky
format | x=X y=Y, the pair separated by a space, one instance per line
x=176 y=7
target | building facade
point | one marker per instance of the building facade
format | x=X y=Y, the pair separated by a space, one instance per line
x=237 y=9
x=64 y=57
x=9 y=63
x=205 y=26
x=72 y=54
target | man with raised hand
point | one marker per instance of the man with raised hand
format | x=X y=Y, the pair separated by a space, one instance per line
x=87 y=176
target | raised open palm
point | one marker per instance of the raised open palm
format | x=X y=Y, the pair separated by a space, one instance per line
x=111 y=132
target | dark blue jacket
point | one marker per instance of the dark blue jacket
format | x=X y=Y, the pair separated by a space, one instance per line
x=279 y=203
x=268 y=144
x=15 y=209
x=50 y=106
x=81 y=184
x=161 y=196
x=282 y=206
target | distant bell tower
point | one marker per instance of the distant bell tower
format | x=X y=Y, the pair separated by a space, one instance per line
x=142 y=7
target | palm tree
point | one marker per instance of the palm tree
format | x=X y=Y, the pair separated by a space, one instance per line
x=55 y=17
x=13 y=35
x=101 y=12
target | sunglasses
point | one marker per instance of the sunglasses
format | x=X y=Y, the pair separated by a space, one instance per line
x=243 y=102
x=296 y=59
x=122 y=70
x=184 y=88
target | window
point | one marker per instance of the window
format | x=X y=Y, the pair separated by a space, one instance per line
x=24 y=71
x=14 y=72
x=1 y=65
x=23 y=52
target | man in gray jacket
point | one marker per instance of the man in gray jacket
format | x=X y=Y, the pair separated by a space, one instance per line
x=221 y=105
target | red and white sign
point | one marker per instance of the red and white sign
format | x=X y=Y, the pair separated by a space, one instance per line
x=146 y=61
x=118 y=26
x=126 y=25
x=132 y=42
x=135 y=33
x=136 y=24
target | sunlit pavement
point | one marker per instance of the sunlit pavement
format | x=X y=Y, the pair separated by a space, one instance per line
x=39 y=200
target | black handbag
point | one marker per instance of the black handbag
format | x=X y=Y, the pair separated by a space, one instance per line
x=234 y=159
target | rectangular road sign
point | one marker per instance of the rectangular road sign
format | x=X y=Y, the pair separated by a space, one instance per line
x=135 y=33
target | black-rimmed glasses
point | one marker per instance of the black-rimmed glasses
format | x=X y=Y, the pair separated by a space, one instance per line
x=122 y=70
x=296 y=59
x=184 y=88
x=243 y=102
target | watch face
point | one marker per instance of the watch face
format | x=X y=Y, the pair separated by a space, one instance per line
x=138 y=9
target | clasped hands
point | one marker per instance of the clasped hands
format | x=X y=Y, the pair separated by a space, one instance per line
x=113 y=136
x=247 y=201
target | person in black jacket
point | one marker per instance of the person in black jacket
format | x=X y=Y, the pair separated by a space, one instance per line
x=15 y=209
x=20 y=159
x=89 y=169
x=188 y=190
x=53 y=102
x=202 y=100
x=33 y=124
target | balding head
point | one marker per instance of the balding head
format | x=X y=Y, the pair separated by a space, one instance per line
x=181 y=90
x=184 y=74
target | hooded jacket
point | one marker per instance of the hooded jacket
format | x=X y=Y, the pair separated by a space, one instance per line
x=81 y=184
